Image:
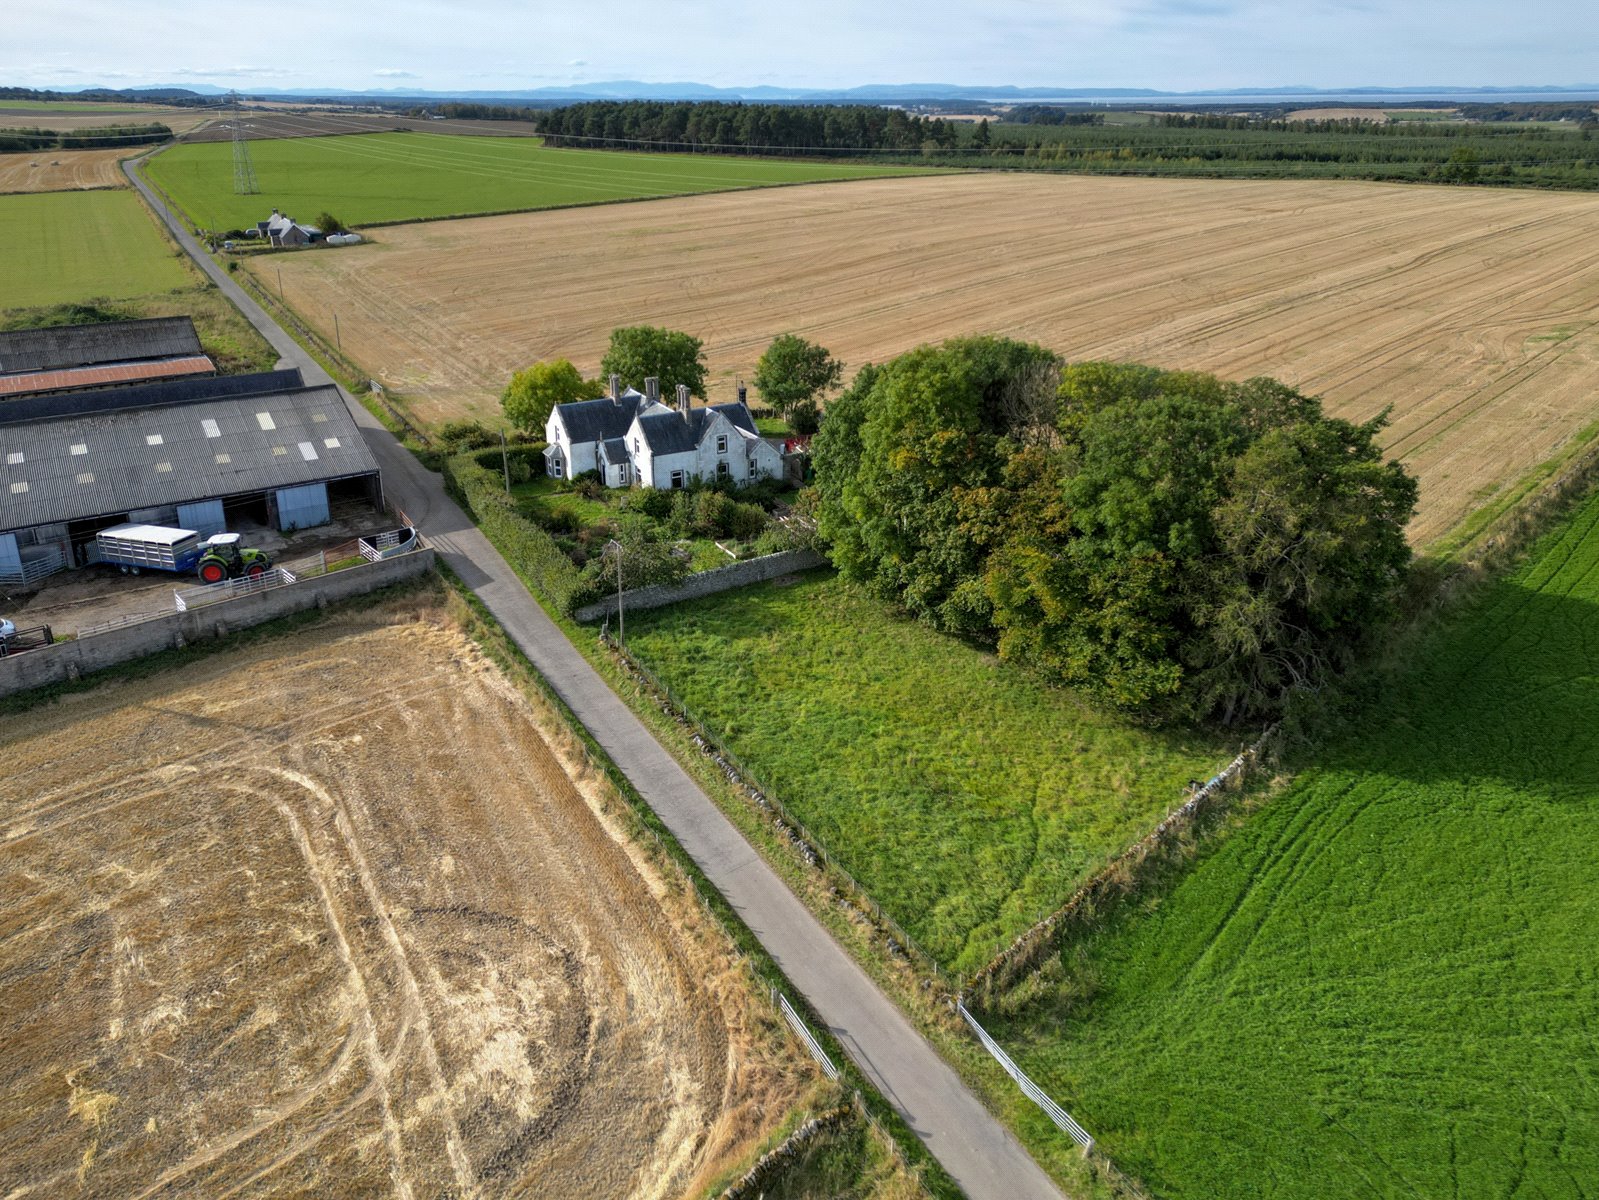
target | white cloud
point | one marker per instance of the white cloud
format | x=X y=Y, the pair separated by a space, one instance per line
x=394 y=73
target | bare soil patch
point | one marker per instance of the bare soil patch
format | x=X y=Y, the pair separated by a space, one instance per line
x=62 y=170
x=1471 y=311
x=339 y=916
x=1378 y=115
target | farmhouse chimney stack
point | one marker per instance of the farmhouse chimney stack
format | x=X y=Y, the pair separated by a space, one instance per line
x=616 y=388
x=743 y=395
x=684 y=400
x=652 y=389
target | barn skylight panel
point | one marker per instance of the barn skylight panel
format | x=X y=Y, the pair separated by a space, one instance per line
x=266 y=422
x=280 y=451
x=224 y=459
x=80 y=447
x=308 y=451
x=319 y=418
x=19 y=487
x=14 y=459
x=331 y=443
x=153 y=439
x=163 y=468
x=86 y=477
x=212 y=429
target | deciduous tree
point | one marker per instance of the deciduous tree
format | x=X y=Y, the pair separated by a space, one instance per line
x=794 y=371
x=640 y=351
x=535 y=391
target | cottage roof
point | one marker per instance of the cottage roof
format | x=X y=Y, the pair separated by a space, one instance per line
x=101 y=459
x=597 y=420
x=669 y=432
x=616 y=451
x=64 y=346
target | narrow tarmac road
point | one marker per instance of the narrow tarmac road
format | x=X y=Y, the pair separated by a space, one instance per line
x=978 y=1152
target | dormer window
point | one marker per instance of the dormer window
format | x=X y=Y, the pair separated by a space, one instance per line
x=721 y=443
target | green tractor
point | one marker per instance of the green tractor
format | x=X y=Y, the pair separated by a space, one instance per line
x=224 y=558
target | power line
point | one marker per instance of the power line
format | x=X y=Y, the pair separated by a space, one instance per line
x=244 y=183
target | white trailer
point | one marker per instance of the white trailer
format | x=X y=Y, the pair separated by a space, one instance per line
x=135 y=548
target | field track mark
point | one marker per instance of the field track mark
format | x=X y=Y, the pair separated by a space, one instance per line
x=416 y=1009
x=302 y=728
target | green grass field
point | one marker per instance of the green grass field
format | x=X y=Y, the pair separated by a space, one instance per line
x=60 y=247
x=408 y=176
x=966 y=797
x=1386 y=982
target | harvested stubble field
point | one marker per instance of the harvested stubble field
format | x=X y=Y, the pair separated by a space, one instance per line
x=63 y=117
x=1471 y=312
x=343 y=916
x=62 y=170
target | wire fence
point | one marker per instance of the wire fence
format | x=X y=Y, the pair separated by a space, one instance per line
x=1062 y=1118
x=802 y=1031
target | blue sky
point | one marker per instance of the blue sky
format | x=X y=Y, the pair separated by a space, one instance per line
x=485 y=44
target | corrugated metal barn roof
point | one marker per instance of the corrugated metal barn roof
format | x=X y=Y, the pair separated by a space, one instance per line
x=87 y=345
x=88 y=464
x=28 y=383
x=148 y=395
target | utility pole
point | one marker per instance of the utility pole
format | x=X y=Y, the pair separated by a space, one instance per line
x=505 y=463
x=340 y=340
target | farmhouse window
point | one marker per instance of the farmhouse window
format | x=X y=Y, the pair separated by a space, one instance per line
x=722 y=470
x=555 y=468
x=752 y=468
x=721 y=443
x=677 y=479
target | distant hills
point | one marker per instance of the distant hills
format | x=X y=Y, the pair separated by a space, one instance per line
x=873 y=93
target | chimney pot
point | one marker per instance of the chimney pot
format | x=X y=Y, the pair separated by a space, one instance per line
x=684 y=400
x=616 y=387
x=742 y=394
x=652 y=389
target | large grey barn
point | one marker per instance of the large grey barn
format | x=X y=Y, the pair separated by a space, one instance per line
x=204 y=454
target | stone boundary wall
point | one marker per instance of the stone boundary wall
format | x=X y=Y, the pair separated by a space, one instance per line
x=72 y=660
x=706 y=583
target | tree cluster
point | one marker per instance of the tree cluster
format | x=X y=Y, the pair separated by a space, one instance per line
x=474 y=112
x=1164 y=541
x=720 y=128
x=1051 y=114
x=34 y=139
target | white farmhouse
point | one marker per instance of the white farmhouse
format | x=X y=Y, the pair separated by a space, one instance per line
x=635 y=439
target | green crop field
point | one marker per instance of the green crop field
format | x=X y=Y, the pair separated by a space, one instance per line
x=61 y=247
x=966 y=797
x=1386 y=982
x=386 y=177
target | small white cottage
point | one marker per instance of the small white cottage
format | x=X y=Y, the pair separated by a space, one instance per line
x=632 y=438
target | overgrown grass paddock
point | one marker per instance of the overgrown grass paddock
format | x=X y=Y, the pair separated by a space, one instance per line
x=968 y=798
x=1383 y=984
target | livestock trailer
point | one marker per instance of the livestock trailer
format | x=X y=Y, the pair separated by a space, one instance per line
x=135 y=548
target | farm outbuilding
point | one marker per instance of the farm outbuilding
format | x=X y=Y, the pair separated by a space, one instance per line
x=208 y=455
x=75 y=357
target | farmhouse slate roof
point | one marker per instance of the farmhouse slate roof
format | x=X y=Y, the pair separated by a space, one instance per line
x=669 y=433
x=108 y=460
x=616 y=451
x=63 y=346
x=599 y=420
